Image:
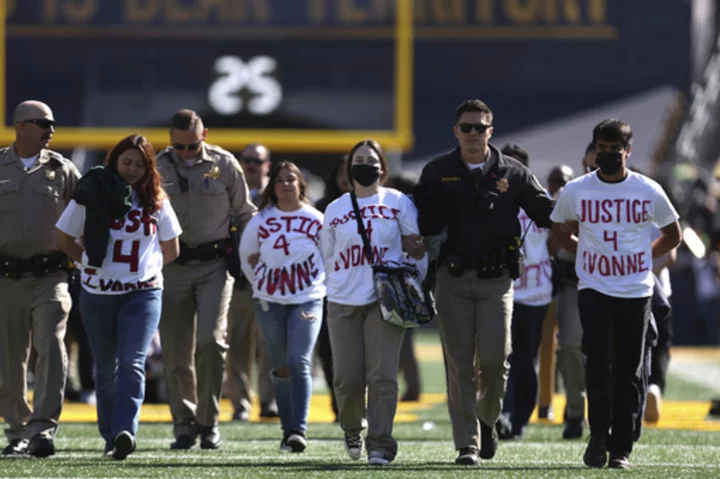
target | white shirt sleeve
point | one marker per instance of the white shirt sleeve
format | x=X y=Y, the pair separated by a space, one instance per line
x=249 y=245
x=563 y=208
x=327 y=243
x=408 y=217
x=72 y=220
x=168 y=224
x=664 y=211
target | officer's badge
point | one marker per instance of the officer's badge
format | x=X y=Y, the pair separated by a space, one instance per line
x=502 y=185
x=50 y=175
x=213 y=173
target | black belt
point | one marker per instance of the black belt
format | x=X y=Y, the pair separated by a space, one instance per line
x=203 y=252
x=39 y=265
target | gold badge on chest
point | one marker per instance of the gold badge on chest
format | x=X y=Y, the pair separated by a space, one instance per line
x=50 y=175
x=502 y=185
x=213 y=173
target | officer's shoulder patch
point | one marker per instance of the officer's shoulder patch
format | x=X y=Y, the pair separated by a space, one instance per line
x=218 y=151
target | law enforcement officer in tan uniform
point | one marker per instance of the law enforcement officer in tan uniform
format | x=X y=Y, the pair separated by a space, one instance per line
x=247 y=344
x=35 y=186
x=207 y=190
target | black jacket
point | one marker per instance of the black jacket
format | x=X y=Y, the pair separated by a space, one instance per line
x=105 y=196
x=479 y=209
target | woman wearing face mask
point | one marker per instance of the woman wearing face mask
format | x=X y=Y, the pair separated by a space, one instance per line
x=128 y=230
x=280 y=256
x=367 y=348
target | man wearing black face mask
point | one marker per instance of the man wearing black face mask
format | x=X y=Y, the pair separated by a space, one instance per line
x=474 y=194
x=614 y=210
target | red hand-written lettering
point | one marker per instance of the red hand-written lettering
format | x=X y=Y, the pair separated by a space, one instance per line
x=132 y=221
x=615 y=265
x=288 y=279
x=618 y=210
x=132 y=259
x=354 y=257
x=368 y=212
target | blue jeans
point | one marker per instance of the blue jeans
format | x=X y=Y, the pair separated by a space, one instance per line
x=120 y=328
x=291 y=331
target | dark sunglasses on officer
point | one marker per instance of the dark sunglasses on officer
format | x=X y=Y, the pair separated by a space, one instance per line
x=468 y=127
x=190 y=147
x=43 y=123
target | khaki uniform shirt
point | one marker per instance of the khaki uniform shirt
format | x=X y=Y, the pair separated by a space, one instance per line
x=207 y=195
x=32 y=201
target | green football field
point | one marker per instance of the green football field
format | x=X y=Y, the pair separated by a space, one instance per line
x=683 y=444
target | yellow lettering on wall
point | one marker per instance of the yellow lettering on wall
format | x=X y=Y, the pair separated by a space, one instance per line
x=521 y=11
x=572 y=11
x=485 y=10
x=449 y=11
x=348 y=12
x=79 y=10
x=598 y=11
x=318 y=11
x=9 y=8
x=175 y=12
x=141 y=10
x=50 y=10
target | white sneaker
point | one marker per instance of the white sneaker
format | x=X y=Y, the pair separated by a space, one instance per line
x=377 y=458
x=354 y=445
x=654 y=403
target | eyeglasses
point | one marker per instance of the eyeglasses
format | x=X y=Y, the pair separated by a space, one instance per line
x=252 y=161
x=190 y=147
x=468 y=127
x=43 y=123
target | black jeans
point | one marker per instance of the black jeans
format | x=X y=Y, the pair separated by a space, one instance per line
x=614 y=335
x=660 y=359
x=521 y=393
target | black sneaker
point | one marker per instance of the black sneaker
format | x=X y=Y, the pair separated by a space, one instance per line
x=467 y=456
x=297 y=441
x=354 y=445
x=210 y=437
x=596 y=452
x=619 y=461
x=504 y=427
x=488 y=441
x=16 y=447
x=546 y=412
x=241 y=415
x=123 y=445
x=182 y=443
x=714 y=408
x=41 y=446
x=283 y=443
x=574 y=428
x=269 y=410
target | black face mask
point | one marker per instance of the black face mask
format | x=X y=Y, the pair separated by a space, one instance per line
x=365 y=175
x=609 y=162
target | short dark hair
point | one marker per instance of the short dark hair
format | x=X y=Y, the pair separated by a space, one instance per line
x=185 y=120
x=473 y=105
x=516 y=151
x=375 y=146
x=613 y=130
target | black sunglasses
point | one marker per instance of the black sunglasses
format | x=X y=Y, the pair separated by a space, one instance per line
x=252 y=161
x=190 y=147
x=468 y=127
x=42 y=123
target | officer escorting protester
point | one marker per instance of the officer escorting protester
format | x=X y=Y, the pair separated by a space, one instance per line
x=207 y=190
x=474 y=194
x=614 y=210
x=35 y=186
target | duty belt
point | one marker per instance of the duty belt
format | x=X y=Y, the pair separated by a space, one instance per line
x=39 y=265
x=203 y=252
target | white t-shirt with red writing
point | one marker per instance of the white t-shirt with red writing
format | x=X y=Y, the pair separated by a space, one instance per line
x=291 y=268
x=534 y=287
x=614 y=255
x=133 y=260
x=388 y=216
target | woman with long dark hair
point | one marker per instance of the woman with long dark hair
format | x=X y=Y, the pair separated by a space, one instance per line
x=280 y=256
x=122 y=229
